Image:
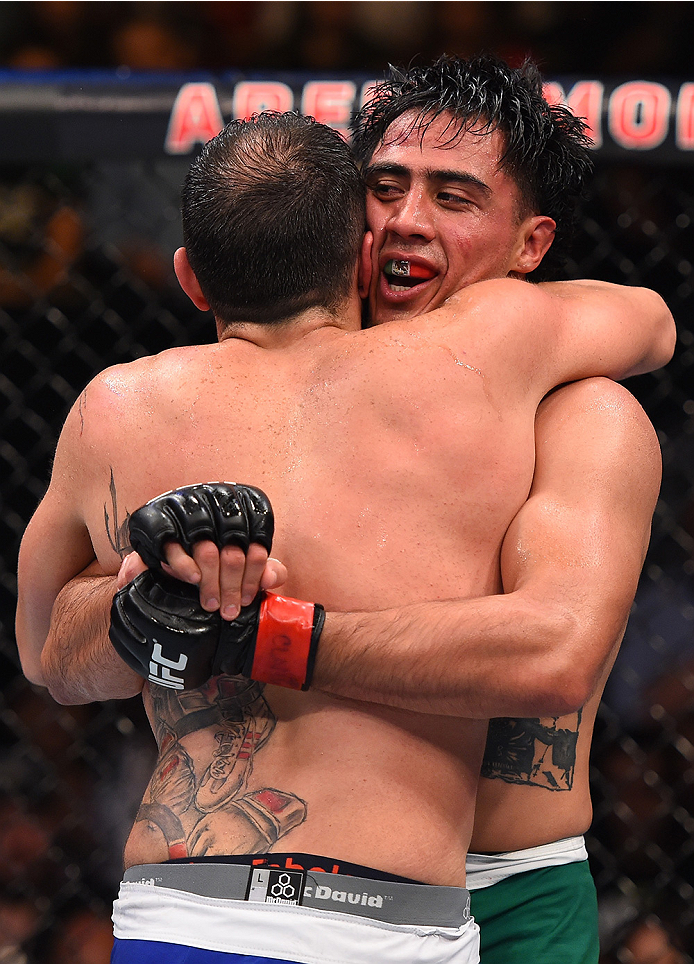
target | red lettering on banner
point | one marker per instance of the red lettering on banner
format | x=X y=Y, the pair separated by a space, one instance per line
x=553 y=93
x=639 y=114
x=330 y=102
x=195 y=118
x=684 y=134
x=583 y=100
x=253 y=96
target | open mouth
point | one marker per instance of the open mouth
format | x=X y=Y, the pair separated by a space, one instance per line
x=403 y=275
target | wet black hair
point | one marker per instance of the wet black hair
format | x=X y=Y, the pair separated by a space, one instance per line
x=273 y=212
x=546 y=149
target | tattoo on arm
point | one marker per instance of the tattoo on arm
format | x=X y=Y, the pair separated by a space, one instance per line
x=535 y=752
x=120 y=538
x=82 y=406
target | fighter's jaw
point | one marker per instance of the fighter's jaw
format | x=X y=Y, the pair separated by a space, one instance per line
x=390 y=302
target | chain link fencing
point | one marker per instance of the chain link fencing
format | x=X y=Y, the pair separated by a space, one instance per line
x=85 y=282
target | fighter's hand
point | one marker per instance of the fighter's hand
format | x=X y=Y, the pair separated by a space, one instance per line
x=159 y=628
x=215 y=582
x=227 y=578
x=216 y=536
x=131 y=566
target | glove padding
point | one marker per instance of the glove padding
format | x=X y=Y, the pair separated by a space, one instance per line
x=226 y=514
x=162 y=632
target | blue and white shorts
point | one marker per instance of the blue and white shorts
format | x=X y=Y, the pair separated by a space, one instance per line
x=170 y=914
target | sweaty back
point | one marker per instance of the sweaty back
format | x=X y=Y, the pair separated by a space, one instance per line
x=382 y=465
x=395 y=459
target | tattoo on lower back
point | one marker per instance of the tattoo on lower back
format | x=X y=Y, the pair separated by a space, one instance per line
x=539 y=753
x=120 y=536
x=199 y=798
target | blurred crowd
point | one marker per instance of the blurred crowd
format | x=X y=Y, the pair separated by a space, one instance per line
x=598 y=38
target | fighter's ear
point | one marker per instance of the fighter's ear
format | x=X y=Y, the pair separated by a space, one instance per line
x=188 y=281
x=365 y=267
x=537 y=235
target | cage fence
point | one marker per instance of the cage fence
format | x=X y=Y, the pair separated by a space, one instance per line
x=86 y=282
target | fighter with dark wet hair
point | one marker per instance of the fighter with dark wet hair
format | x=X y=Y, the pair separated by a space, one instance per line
x=532 y=892
x=545 y=148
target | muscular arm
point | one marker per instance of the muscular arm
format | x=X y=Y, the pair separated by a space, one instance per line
x=65 y=596
x=612 y=330
x=55 y=616
x=563 y=331
x=570 y=565
x=78 y=663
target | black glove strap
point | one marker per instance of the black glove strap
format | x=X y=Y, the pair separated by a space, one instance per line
x=318 y=623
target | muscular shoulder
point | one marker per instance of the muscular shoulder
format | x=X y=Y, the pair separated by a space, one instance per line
x=602 y=427
x=123 y=384
x=110 y=412
x=599 y=402
x=596 y=482
x=125 y=391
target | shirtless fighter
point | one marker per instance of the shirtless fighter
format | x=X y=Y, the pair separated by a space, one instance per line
x=436 y=224
x=532 y=893
x=354 y=435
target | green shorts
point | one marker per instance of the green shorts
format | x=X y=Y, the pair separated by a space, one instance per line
x=543 y=916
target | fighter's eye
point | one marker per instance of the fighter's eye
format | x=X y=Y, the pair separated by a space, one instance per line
x=448 y=197
x=385 y=190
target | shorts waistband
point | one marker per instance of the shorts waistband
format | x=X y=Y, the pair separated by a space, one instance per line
x=483 y=870
x=297 y=861
x=382 y=900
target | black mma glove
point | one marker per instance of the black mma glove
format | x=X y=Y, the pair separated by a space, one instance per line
x=159 y=628
x=227 y=514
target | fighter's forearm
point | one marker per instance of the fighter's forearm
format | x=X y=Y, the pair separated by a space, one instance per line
x=512 y=659
x=78 y=663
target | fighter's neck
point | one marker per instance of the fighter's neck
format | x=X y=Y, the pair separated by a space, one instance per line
x=305 y=326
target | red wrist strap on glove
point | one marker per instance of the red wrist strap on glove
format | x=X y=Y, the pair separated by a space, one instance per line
x=286 y=642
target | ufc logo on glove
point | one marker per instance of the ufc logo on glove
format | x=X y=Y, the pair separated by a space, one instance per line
x=158 y=625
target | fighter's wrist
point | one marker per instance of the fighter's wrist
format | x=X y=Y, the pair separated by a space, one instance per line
x=161 y=631
x=287 y=641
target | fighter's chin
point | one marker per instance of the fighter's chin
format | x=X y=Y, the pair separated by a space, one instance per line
x=388 y=307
